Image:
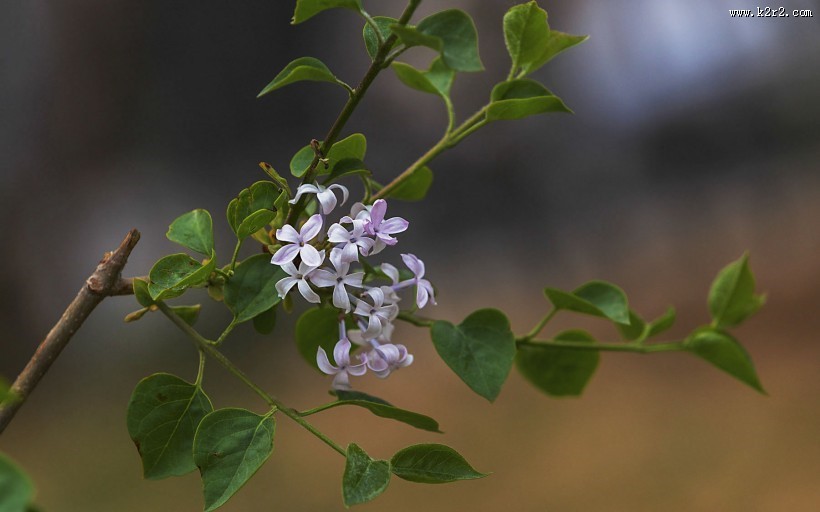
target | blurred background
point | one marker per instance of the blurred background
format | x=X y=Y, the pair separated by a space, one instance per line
x=696 y=137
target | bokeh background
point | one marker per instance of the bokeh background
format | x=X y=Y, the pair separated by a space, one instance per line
x=696 y=137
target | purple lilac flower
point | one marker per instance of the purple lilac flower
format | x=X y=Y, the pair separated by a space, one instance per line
x=382 y=228
x=424 y=290
x=299 y=277
x=357 y=212
x=325 y=196
x=298 y=243
x=342 y=372
x=377 y=314
x=350 y=242
x=388 y=358
x=338 y=279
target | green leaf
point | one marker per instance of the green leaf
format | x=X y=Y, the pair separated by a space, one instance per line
x=557 y=43
x=371 y=42
x=521 y=98
x=352 y=147
x=252 y=288
x=364 y=478
x=452 y=33
x=558 y=371
x=254 y=222
x=437 y=80
x=596 y=298
x=16 y=489
x=141 y=292
x=171 y=275
x=229 y=447
x=265 y=322
x=731 y=298
x=301 y=69
x=432 y=464
x=526 y=33
x=662 y=323
x=280 y=182
x=480 y=350
x=415 y=187
x=635 y=329
x=306 y=9
x=262 y=195
x=317 y=327
x=723 y=351
x=163 y=414
x=194 y=230
x=383 y=409
x=189 y=314
x=346 y=167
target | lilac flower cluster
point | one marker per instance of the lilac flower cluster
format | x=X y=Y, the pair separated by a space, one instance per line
x=364 y=233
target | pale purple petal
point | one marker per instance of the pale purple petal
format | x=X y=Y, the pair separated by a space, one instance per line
x=377 y=295
x=327 y=200
x=341 y=381
x=393 y=225
x=322 y=278
x=337 y=234
x=350 y=253
x=355 y=279
x=391 y=272
x=366 y=245
x=377 y=212
x=421 y=296
x=304 y=189
x=341 y=353
x=424 y=283
x=285 y=254
x=311 y=227
x=324 y=364
x=414 y=264
x=374 y=327
x=284 y=285
x=287 y=234
x=307 y=292
x=386 y=239
x=310 y=256
x=355 y=335
x=357 y=370
x=340 y=298
x=342 y=188
x=389 y=352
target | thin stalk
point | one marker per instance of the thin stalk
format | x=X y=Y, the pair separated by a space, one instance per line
x=606 y=347
x=538 y=328
x=207 y=347
x=226 y=332
x=201 y=372
x=235 y=254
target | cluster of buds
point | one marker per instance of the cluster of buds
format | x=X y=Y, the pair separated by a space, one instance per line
x=316 y=259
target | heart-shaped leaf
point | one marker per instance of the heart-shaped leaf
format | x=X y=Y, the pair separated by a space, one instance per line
x=371 y=42
x=383 y=409
x=526 y=33
x=163 y=414
x=452 y=33
x=558 y=371
x=230 y=446
x=723 y=351
x=252 y=288
x=194 y=230
x=596 y=298
x=480 y=350
x=364 y=478
x=521 y=98
x=306 y=9
x=302 y=69
x=432 y=464
x=731 y=298
x=265 y=322
x=173 y=274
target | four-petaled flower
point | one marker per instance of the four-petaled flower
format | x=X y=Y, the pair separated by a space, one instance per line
x=382 y=228
x=378 y=315
x=341 y=354
x=325 y=196
x=325 y=278
x=298 y=243
x=298 y=277
x=351 y=242
x=388 y=358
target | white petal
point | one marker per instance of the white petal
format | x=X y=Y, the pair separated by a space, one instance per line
x=284 y=285
x=327 y=201
x=341 y=352
x=322 y=278
x=324 y=364
x=307 y=292
x=340 y=298
x=310 y=256
x=285 y=254
x=391 y=272
x=287 y=234
x=311 y=227
x=343 y=189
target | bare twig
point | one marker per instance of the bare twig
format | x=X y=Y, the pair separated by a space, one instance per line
x=104 y=282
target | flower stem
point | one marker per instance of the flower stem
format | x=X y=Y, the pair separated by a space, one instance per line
x=538 y=328
x=610 y=347
x=206 y=346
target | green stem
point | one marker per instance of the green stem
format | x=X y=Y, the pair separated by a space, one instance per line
x=353 y=101
x=201 y=372
x=207 y=347
x=370 y=21
x=226 y=332
x=538 y=328
x=609 y=347
x=317 y=409
x=450 y=139
x=415 y=320
x=235 y=254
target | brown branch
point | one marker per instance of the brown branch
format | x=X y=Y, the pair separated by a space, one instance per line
x=104 y=282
